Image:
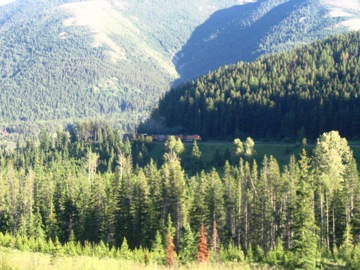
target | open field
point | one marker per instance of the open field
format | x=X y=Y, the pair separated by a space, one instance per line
x=348 y=9
x=215 y=153
x=15 y=259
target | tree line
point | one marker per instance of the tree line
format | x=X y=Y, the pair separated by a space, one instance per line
x=82 y=187
x=302 y=93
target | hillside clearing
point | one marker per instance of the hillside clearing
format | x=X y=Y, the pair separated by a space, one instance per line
x=349 y=8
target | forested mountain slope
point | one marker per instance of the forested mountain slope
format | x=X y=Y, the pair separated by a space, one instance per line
x=71 y=59
x=244 y=32
x=300 y=93
x=67 y=59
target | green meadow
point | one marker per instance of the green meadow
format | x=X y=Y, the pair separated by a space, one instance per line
x=215 y=153
x=12 y=259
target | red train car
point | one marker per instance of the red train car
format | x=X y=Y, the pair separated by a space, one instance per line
x=190 y=138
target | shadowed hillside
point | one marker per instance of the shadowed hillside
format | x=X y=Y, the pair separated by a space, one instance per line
x=247 y=31
x=292 y=95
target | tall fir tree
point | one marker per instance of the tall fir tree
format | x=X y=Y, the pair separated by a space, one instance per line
x=305 y=239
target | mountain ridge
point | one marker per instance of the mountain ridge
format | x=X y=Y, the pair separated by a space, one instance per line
x=297 y=94
x=66 y=59
x=245 y=32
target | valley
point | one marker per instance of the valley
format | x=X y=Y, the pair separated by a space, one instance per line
x=69 y=60
x=262 y=99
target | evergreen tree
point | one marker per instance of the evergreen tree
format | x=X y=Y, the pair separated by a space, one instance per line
x=170 y=253
x=155 y=206
x=141 y=205
x=305 y=239
x=158 y=249
x=125 y=252
x=346 y=247
x=199 y=210
x=196 y=154
x=215 y=202
x=215 y=240
x=188 y=246
x=202 y=248
x=174 y=188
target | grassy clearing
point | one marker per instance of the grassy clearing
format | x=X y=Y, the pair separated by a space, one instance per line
x=281 y=151
x=14 y=259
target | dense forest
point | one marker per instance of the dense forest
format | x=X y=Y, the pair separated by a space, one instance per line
x=72 y=187
x=69 y=59
x=59 y=74
x=59 y=61
x=298 y=94
x=80 y=186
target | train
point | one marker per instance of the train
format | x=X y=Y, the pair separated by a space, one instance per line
x=162 y=137
x=185 y=138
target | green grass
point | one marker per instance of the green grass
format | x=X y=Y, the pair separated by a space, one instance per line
x=281 y=151
x=11 y=259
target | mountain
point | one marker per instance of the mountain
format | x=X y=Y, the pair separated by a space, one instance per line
x=302 y=93
x=113 y=59
x=63 y=59
x=245 y=32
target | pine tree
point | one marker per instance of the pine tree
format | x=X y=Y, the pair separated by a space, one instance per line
x=305 y=239
x=196 y=154
x=354 y=264
x=231 y=199
x=158 y=249
x=174 y=193
x=125 y=252
x=188 y=247
x=37 y=229
x=170 y=253
x=125 y=207
x=56 y=251
x=215 y=240
x=215 y=202
x=202 y=252
x=347 y=246
x=249 y=254
x=153 y=177
x=141 y=205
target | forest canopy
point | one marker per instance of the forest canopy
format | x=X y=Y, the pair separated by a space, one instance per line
x=81 y=189
x=302 y=93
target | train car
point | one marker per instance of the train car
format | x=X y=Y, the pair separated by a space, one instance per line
x=159 y=137
x=181 y=137
x=190 y=138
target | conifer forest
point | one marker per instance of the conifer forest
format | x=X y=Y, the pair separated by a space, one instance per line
x=179 y=134
x=303 y=92
x=79 y=192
